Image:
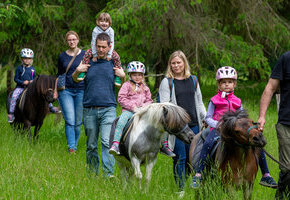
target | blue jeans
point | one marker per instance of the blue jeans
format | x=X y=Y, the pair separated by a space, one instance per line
x=181 y=164
x=206 y=148
x=71 y=103
x=124 y=118
x=95 y=120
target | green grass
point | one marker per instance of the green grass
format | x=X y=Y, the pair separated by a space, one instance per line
x=44 y=170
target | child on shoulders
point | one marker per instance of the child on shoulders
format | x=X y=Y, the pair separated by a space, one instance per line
x=104 y=23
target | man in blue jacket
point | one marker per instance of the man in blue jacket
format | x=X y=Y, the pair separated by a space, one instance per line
x=99 y=104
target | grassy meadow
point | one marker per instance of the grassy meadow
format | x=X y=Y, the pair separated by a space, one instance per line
x=44 y=170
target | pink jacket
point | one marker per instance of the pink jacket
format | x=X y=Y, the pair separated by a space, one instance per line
x=222 y=105
x=129 y=99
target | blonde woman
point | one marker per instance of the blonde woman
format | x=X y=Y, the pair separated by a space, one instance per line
x=181 y=88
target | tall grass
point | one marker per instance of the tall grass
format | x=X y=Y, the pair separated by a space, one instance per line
x=43 y=169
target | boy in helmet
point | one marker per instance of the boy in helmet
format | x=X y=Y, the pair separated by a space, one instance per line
x=24 y=75
x=224 y=101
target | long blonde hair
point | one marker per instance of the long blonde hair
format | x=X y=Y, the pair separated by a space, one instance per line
x=181 y=55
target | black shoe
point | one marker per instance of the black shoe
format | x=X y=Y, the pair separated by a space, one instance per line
x=268 y=181
x=166 y=151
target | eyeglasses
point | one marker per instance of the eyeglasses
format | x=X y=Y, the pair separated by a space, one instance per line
x=72 y=40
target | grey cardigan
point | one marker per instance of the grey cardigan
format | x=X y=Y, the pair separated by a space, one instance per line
x=164 y=93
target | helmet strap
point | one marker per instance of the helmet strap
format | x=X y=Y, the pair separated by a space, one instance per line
x=137 y=85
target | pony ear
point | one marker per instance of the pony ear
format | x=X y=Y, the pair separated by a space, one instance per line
x=165 y=112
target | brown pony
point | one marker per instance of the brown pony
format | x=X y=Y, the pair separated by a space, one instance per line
x=34 y=106
x=237 y=154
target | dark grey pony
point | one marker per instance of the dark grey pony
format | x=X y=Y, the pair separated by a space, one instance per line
x=142 y=143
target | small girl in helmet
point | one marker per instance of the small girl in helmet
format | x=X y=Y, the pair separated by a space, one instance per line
x=227 y=81
x=24 y=75
x=132 y=95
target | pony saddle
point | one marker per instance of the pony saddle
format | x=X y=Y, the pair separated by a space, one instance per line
x=19 y=102
x=199 y=144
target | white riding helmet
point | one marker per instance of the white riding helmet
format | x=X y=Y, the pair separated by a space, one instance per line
x=26 y=53
x=136 y=66
x=226 y=72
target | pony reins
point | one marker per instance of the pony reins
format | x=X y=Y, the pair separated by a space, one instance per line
x=248 y=136
x=182 y=130
x=275 y=159
x=248 y=131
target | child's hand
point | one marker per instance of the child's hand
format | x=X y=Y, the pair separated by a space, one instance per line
x=95 y=59
x=26 y=82
x=30 y=81
x=108 y=58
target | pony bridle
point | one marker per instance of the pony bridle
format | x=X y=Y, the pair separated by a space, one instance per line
x=248 y=134
x=177 y=133
x=45 y=95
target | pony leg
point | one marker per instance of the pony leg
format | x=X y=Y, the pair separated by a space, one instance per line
x=148 y=172
x=36 y=130
x=247 y=191
x=136 y=165
x=27 y=128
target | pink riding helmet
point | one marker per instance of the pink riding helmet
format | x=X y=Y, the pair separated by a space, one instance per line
x=226 y=72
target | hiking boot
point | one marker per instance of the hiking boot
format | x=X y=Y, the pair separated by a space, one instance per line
x=166 y=151
x=118 y=81
x=196 y=181
x=114 y=150
x=54 y=110
x=268 y=181
x=11 y=118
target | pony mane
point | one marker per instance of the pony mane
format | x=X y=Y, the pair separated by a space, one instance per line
x=42 y=83
x=228 y=121
x=163 y=113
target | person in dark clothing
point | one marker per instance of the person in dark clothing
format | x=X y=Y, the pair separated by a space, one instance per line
x=99 y=104
x=280 y=79
x=71 y=98
x=24 y=75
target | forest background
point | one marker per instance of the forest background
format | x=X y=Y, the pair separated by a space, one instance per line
x=249 y=35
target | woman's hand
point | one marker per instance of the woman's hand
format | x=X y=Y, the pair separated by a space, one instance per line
x=26 y=82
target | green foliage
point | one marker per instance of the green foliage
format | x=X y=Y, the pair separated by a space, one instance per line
x=8 y=11
x=245 y=34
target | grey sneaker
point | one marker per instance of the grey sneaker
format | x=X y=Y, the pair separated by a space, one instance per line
x=11 y=118
x=114 y=150
x=166 y=151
